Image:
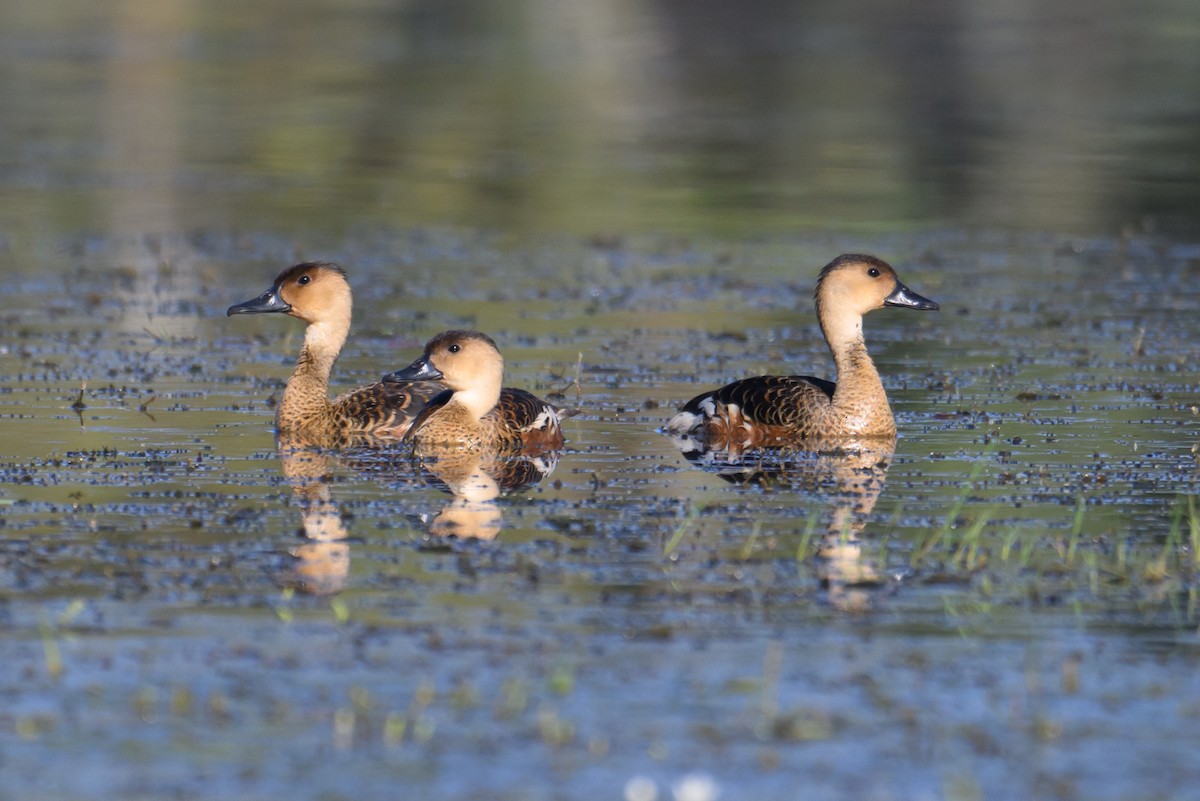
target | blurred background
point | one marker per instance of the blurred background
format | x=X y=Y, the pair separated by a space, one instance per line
x=316 y=118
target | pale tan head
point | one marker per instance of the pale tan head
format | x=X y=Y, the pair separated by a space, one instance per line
x=315 y=292
x=467 y=362
x=852 y=285
x=858 y=284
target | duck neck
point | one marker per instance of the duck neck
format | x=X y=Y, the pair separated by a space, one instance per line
x=859 y=396
x=478 y=401
x=307 y=394
x=484 y=392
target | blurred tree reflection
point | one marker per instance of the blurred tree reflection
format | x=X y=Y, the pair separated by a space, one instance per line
x=598 y=116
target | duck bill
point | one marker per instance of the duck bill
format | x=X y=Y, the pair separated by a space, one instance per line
x=905 y=298
x=420 y=370
x=268 y=301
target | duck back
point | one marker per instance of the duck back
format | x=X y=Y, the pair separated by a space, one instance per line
x=760 y=411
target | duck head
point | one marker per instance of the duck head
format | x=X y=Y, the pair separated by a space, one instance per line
x=467 y=362
x=315 y=292
x=857 y=284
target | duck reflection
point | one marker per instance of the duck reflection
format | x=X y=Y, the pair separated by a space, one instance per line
x=476 y=479
x=323 y=562
x=850 y=472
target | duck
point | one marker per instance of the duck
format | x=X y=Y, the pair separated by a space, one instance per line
x=473 y=413
x=319 y=294
x=773 y=410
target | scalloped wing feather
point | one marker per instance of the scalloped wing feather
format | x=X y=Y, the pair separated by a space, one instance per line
x=383 y=408
x=523 y=420
x=778 y=400
x=761 y=411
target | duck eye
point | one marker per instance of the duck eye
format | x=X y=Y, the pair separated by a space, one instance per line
x=873 y=272
x=304 y=279
x=455 y=348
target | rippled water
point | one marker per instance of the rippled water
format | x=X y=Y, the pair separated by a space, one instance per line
x=634 y=201
x=1018 y=598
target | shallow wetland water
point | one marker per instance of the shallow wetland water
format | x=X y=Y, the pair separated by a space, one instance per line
x=634 y=200
x=1017 y=596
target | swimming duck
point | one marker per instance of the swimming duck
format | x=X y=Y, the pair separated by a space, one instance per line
x=473 y=413
x=774 y=410
x=318 y=294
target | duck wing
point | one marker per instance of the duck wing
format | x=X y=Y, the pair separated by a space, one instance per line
x=431 y=405
x=525 y=420
x=772 y=400
x=387 y=408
